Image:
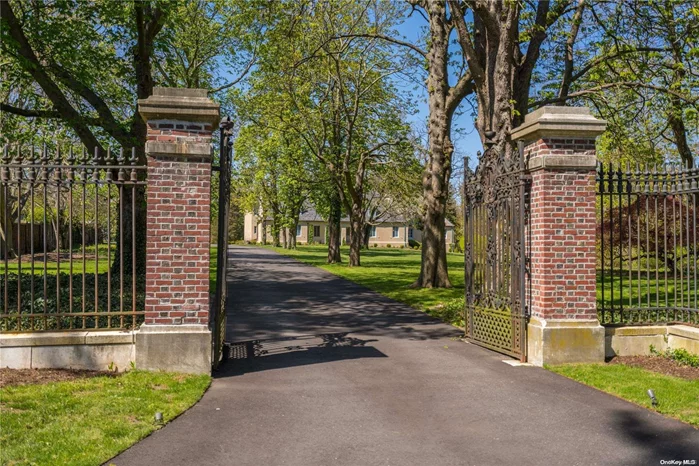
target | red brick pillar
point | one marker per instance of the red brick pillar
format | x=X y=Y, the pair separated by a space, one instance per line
x=560 y=148
x=178 y=150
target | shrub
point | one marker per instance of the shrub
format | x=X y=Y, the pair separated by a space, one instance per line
x=414 y=244
x=681 y=355
x=388 y=245
x=402 y=247
x=376 y=245
x=451 y=312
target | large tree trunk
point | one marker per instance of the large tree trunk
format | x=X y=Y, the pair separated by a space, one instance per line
x=435 y=183
x=292 y=234
x=357 y=223
x=148 y=23
x=285 y=238
x=276 y=231
x=365 y=237
x=334 y=229
x=435 y=178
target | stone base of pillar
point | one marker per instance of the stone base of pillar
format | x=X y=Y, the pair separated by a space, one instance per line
x=564 y=341
x=174 y=348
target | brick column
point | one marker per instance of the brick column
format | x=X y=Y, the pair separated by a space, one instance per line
x=176 y=335
x=560 y=148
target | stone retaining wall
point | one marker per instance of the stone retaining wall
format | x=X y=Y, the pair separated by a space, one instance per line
x=636 y=340
x=102 y=350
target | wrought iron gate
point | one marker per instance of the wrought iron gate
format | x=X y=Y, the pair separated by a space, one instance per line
x=496 y=212
x=218 y=310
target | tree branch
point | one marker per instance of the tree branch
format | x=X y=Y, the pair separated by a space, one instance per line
x=390 y=39
x=31 y=65
x=475 y=69
x=626 y=84
x=50 y=113
x=618 y=53
x=108 y=122
x=240 y=77
x=480 y=8
x=461 y=89
x=30 y=113
x=570 y=41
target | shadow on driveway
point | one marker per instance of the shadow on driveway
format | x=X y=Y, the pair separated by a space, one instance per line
x=261 y=355
x=283 y=297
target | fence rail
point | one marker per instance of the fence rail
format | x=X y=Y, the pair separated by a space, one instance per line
x=647 y=241
x=68 y=229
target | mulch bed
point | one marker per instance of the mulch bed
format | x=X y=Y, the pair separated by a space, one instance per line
x=9 y=377
x=660 y=365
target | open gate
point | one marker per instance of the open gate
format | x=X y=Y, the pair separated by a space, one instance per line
x=496 y=213
x=218 y=310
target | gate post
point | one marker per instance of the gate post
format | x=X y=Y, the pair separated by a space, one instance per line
x=175 y=335
x=559 y=146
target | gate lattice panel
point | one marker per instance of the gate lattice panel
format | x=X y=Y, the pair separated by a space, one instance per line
x=495 y=217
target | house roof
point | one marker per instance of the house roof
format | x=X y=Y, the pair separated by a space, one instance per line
x=309 y=214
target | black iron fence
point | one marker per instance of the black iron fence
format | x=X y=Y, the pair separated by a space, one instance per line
x=647 y=244
x=69 y=224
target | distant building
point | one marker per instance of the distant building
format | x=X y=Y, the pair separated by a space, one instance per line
x=395 y=231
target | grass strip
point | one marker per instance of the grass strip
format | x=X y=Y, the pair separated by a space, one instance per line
x=678 y=398
x=88 y=421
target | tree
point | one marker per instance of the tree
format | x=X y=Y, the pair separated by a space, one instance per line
x=356 y=103
x=337 y=97
x=497 y=67
x=59 y=58
x=76 y=68
x=272 y=176
x=393 y=192
x=649 y=99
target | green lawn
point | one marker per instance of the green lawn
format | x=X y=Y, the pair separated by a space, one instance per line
x=104 y=258
x=678 y=398
x=387 y=271
x=88 y=421
x=391 y=271
x=52 y=265
x=645 y=291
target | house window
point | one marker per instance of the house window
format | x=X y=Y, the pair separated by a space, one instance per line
x=395 y=232
x=316 y=230
x=410 y=233
x=254 y=230
x=372 y=231
x=298 y=230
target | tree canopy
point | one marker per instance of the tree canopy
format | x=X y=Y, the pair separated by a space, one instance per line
x=324 y=92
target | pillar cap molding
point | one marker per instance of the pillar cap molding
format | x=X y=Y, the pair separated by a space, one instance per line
x=562 y=162
x=183 y=150
x=555 y=122
x=190 y=105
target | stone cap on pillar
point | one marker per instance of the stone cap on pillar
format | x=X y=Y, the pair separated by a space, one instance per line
x=169 y=103
x=559 y=122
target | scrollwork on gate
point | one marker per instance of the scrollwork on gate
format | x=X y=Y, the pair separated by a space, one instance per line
x=495 y=215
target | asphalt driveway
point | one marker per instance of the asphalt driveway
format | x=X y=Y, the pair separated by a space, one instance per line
x=326 y=372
